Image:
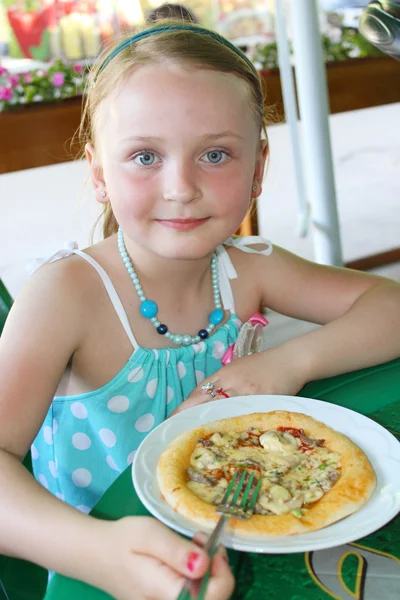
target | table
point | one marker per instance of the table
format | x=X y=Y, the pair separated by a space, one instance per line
x=366 y=570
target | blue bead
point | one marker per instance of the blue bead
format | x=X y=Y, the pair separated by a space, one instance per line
x=203 y=334
x=162 y=329
x=148 y=309
x=217 y=316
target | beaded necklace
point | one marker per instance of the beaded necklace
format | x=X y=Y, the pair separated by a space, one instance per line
x=149 y=308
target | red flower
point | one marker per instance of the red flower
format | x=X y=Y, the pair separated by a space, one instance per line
x=58 y=79
x=13 y=81
x=6 y=93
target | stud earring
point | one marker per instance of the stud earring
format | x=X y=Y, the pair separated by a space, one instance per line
x=254 y=188
x=103 y=194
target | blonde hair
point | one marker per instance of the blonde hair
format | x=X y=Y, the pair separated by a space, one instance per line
x=180 y=46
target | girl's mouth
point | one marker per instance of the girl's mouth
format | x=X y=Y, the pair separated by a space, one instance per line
x=182 y=224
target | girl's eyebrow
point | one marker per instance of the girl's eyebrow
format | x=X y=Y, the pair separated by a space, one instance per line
x=205 y=137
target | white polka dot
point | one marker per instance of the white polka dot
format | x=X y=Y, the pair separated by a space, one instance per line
x=34 y=452
x=112 y=464
x=118 y=404
x=170 y=394
x=55 y=426
x=48 y=434
x=199 y=376
x=81 y=477
x=151 y=388
x=155 y=354
x=84 y=509
x=60 y=496
x=218 y=350
x=200 y=347
x=181 y=370
x=135 y=375
x=53 y=468
x=107 y=437
x=145 y=423
x=79 y=410
x=81 y=441
x=43 y=480
x=167 y=357
x=131 y=456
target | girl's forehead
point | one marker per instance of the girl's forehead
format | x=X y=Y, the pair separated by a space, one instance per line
x=157 y=95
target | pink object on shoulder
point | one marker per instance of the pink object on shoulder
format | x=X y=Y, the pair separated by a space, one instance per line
x=249 y=339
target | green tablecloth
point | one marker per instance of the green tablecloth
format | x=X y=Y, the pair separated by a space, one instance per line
x=366 y=570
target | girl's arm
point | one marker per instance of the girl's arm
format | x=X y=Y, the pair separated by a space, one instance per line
x=360 y=314
x=45 y=327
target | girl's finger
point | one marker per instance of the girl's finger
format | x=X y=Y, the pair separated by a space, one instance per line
x=222 y=582
x=183 y=556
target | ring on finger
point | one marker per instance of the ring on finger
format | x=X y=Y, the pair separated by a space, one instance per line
x=208 y=388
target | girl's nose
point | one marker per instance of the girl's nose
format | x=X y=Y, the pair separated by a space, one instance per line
x=180 y=184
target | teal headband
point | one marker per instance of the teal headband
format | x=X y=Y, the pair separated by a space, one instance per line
x=164 y=28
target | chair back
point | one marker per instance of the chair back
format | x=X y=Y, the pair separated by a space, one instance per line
x=5 y=305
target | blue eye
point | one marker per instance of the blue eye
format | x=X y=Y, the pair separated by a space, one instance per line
x=215 y=156
x=146 y=158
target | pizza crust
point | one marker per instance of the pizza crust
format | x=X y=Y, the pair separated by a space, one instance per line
x=351 y=492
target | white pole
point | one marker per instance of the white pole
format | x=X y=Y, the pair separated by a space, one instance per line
x=314 y=110
x=290 y=104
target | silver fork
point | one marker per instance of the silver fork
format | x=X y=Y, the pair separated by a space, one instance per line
x=229 y=507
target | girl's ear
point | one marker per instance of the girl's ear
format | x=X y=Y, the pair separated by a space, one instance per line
x=96 y=175
x=259 y=169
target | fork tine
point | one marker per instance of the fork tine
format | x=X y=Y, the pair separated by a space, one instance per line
x=239 y=487
x=230 y=488
x=255 y=495
x=243 y=508
x=247 y=491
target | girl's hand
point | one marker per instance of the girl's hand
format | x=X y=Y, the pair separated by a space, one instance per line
x=274 y=371
x=147 y=561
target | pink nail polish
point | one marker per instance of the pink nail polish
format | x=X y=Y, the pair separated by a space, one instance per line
x=193 y=558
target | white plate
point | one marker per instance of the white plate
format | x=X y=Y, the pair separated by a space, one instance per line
x=380 y=446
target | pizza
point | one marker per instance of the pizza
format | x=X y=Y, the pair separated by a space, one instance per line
x=311 y=475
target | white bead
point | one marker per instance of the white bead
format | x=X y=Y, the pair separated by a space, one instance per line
x=187 y=339
x=156 y=323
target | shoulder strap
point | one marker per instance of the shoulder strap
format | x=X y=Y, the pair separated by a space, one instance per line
x=226 y=269
x=72 y=248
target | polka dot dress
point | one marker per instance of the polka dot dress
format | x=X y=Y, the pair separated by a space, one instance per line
x=86 y=441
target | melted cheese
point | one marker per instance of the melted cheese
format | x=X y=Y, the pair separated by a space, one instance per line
x=293 y=474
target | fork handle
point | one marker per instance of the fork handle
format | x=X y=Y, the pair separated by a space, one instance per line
x=211 y=548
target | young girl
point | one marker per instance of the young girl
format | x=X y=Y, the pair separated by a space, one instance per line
x=104 y=344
